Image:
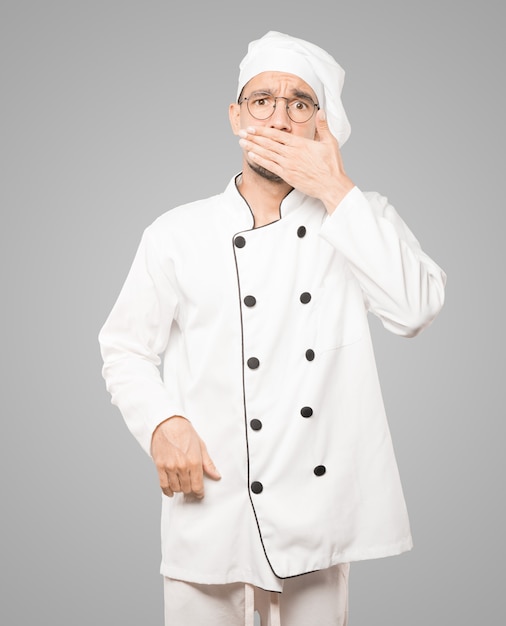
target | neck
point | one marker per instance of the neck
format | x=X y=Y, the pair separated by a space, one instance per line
x=263 y=196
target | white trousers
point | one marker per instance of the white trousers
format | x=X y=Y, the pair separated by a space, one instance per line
x=317 y=598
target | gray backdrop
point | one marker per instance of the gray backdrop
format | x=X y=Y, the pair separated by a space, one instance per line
x=115 y=111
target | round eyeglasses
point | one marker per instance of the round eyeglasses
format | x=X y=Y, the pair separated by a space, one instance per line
x=262 y=105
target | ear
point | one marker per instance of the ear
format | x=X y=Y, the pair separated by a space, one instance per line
x=234 y=115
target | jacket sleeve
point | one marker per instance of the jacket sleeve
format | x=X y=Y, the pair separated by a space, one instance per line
x=136 y=332
x=401 y=284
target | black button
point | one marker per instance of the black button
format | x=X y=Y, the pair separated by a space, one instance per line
x=309 y=355
x=253 y=363
x=319 y=470
x=255 y=424
x=305 y=297
x=257 y=487
x=301 y=231
x=240 y=242
x=250 y=300
x=306 y=411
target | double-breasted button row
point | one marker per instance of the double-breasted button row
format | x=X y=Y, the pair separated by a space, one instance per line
x=240 y=241
x=253 y=363
x=249 y=300
x=304 y=297
x=257 y=487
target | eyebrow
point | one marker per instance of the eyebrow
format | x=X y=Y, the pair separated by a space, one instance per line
x=296 y=93
x=302 y=94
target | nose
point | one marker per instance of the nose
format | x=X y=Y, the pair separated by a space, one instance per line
x=279 y=118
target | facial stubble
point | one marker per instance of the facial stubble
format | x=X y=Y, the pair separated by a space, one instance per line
x=265 y=173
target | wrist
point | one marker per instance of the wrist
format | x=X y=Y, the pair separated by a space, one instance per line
x=335 y=194
x=172 y=417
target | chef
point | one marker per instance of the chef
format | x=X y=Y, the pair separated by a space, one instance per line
x=240 y=356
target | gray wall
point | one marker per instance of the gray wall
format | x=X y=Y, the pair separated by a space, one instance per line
x=115 y=111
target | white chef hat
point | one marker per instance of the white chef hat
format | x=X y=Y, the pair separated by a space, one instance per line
x=277 y=52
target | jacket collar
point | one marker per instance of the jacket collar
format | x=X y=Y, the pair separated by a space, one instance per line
x=292 y=201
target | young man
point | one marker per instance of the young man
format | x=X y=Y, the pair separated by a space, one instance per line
x=268 y=428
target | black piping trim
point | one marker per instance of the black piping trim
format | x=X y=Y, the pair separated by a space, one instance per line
x=244 y=380
x=251 y=211
x=247 y=204
x=312 y=571
x=244 y=404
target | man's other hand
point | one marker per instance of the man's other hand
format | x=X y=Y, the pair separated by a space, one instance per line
x=181 y=458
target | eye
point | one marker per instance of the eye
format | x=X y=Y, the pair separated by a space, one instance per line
x=261 y=101
x=299 y=105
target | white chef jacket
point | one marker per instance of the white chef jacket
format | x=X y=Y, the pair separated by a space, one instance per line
x=265 y=348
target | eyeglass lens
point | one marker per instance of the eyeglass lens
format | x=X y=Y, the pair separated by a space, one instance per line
x=261 y=106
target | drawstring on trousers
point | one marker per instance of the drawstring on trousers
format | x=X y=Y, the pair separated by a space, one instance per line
x=249 y=607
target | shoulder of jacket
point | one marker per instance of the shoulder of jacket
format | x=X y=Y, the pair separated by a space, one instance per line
x=185 y=215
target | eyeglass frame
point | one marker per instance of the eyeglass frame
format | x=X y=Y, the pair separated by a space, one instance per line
x=316 y=106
